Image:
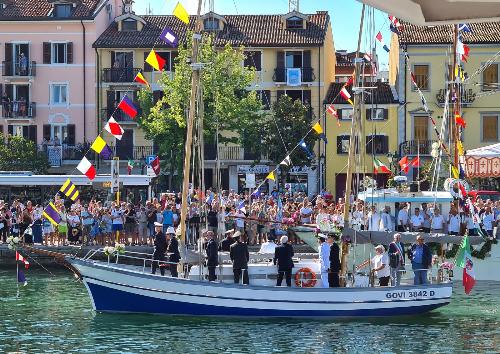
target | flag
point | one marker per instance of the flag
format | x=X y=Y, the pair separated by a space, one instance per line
x=241 y=207
x=404 y=164
x=395 y=22
x=287 y=161
x=379 y=38
x=462 y=190
x=460 y=148
x=331 y=110
x=378 y=166
x=317 y=128
x=69 y=190
x=413 y=79
x=304 y=147
x=464 y=260
x=127 y=106
x=271 y=176
x=169 y=37
x=113 y=128
x=50 y=213
x=454 y=172
x=463 y=50
x=100 y=146
x=21 y=278
x=155 y=165
x=394 y=29
x=416 y=162
x=86 y=168
x=20 y=258
x=459 y=120
x=130 y=166
x=181 y=13
x=141 y=79
x=350 y=81
x=346 y=95
x=155 y=60
x=367 y=58
x=464 y=27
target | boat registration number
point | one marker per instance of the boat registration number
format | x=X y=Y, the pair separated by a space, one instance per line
x=414 y=294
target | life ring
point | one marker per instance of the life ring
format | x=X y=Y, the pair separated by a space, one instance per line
x=305 y=278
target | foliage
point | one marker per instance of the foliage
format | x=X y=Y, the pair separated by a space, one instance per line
x=21 y=154
x=227 y=102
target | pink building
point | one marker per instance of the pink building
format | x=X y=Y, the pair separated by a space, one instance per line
x=48 y=82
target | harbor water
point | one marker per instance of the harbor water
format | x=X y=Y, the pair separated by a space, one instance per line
x=53 y=314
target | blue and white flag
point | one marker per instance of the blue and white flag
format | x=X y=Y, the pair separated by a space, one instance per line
x=464 y=27
x=169 y=37
x=293 y=77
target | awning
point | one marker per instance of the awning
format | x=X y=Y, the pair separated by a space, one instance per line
x=483 y=162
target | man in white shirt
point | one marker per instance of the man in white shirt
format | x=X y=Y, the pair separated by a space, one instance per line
x=380 y=266
x=357 y=218
x=416 y=221
x=267 y=247
x=437 y=222
x=402 y=218
x=386 y=222
x=453 y=222
x=373 y=219
x=324 y=259
x=488 y=220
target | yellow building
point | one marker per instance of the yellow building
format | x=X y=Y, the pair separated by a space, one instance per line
x=378 y=134
x=273 y=45
x=429 y=51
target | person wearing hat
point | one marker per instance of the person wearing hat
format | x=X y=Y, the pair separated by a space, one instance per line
x=226 y=243
x=324 y=259
x=239 y=256
x=421 y=259
x=380 y=266
x=212 y=254
x=283 y=257
x=334 y=272
x=174 y=256
x=160 y=243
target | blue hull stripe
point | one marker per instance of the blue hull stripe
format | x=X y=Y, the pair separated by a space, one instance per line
x=112 y=300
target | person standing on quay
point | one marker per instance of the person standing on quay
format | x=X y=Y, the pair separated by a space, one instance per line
x=421 y=259
x=212 y=255
x=239 y=256
x=333 y=274
x=283 y=257
x=160 y=243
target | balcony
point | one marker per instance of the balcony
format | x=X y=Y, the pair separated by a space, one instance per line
x=416 y=147
x=18 y=109
x=119 y=74
x=119 y=115
x=135 y=153
x=76 y=152
x=11 y=68
x=307 y=74
x=467 y=97
x=231 y=153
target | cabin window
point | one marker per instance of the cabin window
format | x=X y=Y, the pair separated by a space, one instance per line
x=129 y=25
x=62 y=10
x=294 y=23
x=421 y=72
x=211 y=24
x=490 y=78
x=489 y=128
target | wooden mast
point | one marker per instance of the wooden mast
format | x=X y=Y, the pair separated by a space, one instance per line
x=195 y=79
x=356 y=119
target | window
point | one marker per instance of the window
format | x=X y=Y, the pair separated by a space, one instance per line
x=211 y=24
x=343 y=144
x=59 y=94
x=265 y=98
x=376 y=114
x=346 y=114
x=420 y=128
x=295 y=23
x=129 y=25
x=62 y=10
x=253 y=60
x=302 y=95
x=58 y=53
x=490 y=127
x=293 y=59
x=421 y=72
x=490 y=78
x=377 y=144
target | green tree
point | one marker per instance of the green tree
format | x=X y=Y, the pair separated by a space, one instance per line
x=228 y=104
x=20 y=154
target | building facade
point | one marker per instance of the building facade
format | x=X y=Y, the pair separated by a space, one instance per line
x=273 y=44
x=48 y=73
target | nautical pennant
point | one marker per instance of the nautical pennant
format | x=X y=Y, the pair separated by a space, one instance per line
x=378 y=166
x=169 y=37
x=394 y=29
x=395 y=22
x=367 y=58
x=181 y=13
x=459 y=120
x=127 y=106
x=454 y=171
x=20 y=258
x=50 y=213
x=155 y=165
x=346 y=95
x=379 y=38
x=271 y=176
x=317 y=128
x=331 y=110
x=100 y=146
x=287 y=161
x=86 y=167
x=114 y=128
x=155 y=60
x=463 y=50
x=141 y=79
x=404 y=164
x=69 y=190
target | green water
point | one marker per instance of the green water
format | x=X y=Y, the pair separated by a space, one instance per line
x=53 y=314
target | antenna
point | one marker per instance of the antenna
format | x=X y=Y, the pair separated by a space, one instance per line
x=149 y=10
x=293 y=5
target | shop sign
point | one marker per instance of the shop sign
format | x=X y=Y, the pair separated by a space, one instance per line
x=257 y=169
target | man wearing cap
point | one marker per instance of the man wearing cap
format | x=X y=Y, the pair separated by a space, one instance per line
x=160 y=243
x=239 y=256
x=333 y=274
x=380 y=266
x=173 y=250
x=283 y=257
x=212 y=255
x=421 y=259
x=226 y=243
x=324 y=259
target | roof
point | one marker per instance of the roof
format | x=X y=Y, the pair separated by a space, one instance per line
x=486 y=151
x=482 y=33
x=383 y=94
x=31 y=10
x=246 y=30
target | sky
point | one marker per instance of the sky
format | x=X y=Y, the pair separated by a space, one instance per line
x=344 y=16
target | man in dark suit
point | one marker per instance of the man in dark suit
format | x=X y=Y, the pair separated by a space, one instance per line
x=240 y=257
x=334 y=272
x=421 y=259
x=160 y=247
x=283 y=257
x=174 y=255
x=228 y=241
x=396 y=259
x=212 y=255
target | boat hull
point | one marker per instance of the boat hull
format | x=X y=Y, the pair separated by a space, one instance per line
x=115 y=289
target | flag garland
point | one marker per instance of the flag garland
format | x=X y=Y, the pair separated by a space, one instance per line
x=69 y=190
x=115 y=129
x=141 y=79
x=155 y=60
x=271 y=176
x=181 y=13
x=128 y=107
x=346 y=95
x=52 y=214
x=169 y=37
x=100 y=146
x=86 y=168
x=287 y=161
x=379 y=38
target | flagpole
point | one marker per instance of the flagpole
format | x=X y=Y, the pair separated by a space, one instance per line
x=17 y=277
x=418 y=166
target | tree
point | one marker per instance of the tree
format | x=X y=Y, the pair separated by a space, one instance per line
x=294 y=120
x=228 y=104
x=20 y=154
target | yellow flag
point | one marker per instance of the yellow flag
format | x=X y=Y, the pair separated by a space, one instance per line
x=317 y=128
x=181 y=13
x=454 y=172
x=98 y=144
x=156 y=61
x=271 y=176
x=460 y=148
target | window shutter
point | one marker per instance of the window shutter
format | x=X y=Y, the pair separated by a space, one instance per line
x=71 y=134
x=306 y=59
x=110 y=102
x=385 y=145
x=7 y=68
x=9 y=89
x=280 y=59
x=147 y=68
x=10 y=129
x=386 y=114
x=257 y=57
x=69 y=52
x=339 y=144
x=173 y=58
x=46 y=132
x=306 y=97
x=368 y=114
x=46 y=53
x=32 y=133
x=113 y=58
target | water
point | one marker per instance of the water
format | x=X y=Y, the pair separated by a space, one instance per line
x=53 y=314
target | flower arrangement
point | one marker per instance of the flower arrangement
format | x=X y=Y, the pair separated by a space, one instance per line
x=109 y=250
x=120 y=248
x=13 y=242
x=447 y=265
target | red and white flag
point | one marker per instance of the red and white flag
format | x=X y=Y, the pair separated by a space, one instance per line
x=113 y=128
x=155 y=165
x=19 y=257
x=331 y=110
x=468 y=277
x=346 y=95
x=395 y=22
x=86 y=168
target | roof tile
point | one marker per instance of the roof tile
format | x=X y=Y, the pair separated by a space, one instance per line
x=482 y=33
x=383 y=93
x=27 y=10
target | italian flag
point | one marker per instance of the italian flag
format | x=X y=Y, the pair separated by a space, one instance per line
x=464 y=260
x=378 y=166
x=130 y=166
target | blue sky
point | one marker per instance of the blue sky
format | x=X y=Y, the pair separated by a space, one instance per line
x=344 y=15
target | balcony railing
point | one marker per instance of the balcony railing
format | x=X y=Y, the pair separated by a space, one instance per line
x=119 y=74
x=11 y=68
x=416 y=147
x=133 y=152
x=18 y=109
x=467 y=97
x=307 y=74
x=76 y=152
x=119 y=115
x=231 y=153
